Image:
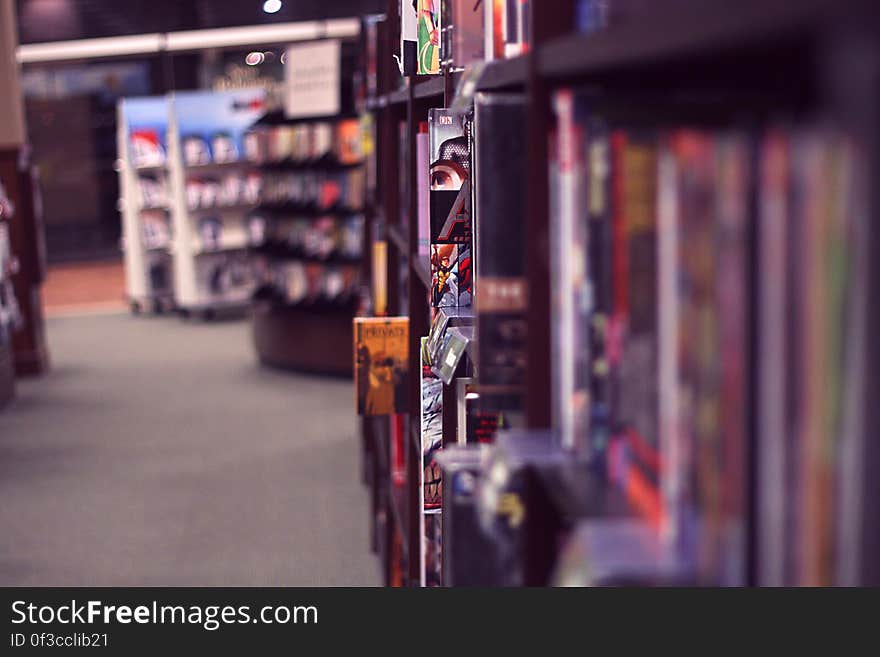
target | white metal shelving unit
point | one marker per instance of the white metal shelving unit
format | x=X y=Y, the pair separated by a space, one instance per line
x=208 y=275
x=147 y=256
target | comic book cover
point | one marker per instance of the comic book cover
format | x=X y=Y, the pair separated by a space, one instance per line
x=431 y=488
x=450 y=209
x=348 y=141
x=420 y=37
x=409 y=37
x=444 y=275
x=147 y=148
x=431 y=430
x=450 y=176
x=380 y=352
x=428 y=36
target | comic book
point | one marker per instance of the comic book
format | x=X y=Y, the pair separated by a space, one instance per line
x=450 y=209
x=431 y=484
x=380 y=352
x=420 y=37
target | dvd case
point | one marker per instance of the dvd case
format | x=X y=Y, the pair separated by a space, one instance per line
x=501 y=302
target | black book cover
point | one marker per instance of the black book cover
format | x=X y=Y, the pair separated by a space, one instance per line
x=501 y=303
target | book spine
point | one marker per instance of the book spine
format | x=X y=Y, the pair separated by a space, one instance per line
x=572 y=302
x=772 y=354
x=423 y=187
x=599 y=243
x=502 y=298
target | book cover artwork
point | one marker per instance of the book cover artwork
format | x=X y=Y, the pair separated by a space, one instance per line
x=431 y=430
x=450 y=210
x=420 y=37
x=380 y=351
x=428 y=36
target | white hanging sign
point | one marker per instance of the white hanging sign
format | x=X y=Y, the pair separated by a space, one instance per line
x=312 y=79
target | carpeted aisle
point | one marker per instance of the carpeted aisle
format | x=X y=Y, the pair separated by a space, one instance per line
x=158 y=453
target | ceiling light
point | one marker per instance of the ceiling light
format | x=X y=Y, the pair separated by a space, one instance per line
x=254 y=58
x=272 y=6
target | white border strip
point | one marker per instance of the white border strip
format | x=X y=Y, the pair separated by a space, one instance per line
x=89 y=48
x=143 y=44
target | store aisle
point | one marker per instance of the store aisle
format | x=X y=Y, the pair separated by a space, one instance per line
x=157 y=453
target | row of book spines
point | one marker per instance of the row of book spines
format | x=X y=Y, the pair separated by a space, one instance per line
x=632 y=188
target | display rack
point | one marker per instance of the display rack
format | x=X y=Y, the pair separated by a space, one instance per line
x=145 y=202
x=214 y=184
x=310 y=246
x=187 y=188
x=694 y=64
x=308 y=233
x=9 y=313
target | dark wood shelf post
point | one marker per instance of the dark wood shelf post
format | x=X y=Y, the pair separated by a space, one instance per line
x=551 y=18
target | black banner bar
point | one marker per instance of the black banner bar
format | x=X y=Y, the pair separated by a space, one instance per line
x=174 y=621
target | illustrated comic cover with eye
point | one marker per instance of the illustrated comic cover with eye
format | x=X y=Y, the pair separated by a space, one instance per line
x=450 y=209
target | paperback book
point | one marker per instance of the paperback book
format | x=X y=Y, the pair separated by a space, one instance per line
x=381 y=347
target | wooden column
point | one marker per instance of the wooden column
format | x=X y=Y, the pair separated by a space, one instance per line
x=550 y=18
x=26 y=232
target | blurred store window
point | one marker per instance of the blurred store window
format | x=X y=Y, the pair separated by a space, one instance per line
x=71 y=118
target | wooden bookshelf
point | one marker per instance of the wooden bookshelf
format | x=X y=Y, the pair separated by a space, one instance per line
x=758 y=58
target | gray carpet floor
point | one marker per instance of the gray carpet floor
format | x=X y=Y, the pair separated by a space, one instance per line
x=158 y=453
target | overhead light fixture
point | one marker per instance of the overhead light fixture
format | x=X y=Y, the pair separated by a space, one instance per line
x=187 y=40
x=254 y=58
x=272 y=6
